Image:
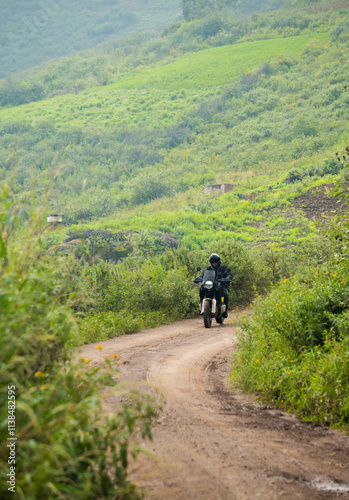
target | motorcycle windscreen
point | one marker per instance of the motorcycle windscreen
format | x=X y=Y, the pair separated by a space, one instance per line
x=209 y=276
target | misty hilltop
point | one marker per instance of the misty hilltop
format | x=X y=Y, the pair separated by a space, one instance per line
x=33 y=31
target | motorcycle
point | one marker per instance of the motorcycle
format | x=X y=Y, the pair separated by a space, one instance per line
x=213 y=305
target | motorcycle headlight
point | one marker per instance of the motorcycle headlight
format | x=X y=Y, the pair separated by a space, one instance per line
x=208 y=285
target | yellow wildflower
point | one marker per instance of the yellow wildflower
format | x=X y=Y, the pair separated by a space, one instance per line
x=40 y=374
x=85 y=360
x=43 y=387
x=99 y=347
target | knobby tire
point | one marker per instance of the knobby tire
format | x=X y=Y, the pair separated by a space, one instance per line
x=207 y=315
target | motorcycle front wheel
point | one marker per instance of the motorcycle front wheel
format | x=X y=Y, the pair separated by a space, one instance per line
x=207 y=314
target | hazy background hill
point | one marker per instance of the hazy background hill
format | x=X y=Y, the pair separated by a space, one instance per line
x=34 y=31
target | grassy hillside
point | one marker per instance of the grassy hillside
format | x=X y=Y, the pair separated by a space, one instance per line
x=109 y=62
x=208 y=68
x=248 y=114
x=32 y=32
x=136 y=155
x=216 y=66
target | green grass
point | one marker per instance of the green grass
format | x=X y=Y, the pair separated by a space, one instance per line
x=103 y=108
x=218 y=218
x=249 y=134
x=216 y=66
x=152 y=95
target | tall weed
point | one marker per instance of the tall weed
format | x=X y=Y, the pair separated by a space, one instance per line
x=64 y=449
x=295 y=350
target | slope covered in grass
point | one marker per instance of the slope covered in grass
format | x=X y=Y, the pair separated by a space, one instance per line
x=207 y=68
x=217 y=66
x=248 y=114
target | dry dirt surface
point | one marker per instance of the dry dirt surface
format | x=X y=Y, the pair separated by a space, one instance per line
x=211 y=442
x=317 y=204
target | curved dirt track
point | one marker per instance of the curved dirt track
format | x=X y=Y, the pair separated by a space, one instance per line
x=210 y=441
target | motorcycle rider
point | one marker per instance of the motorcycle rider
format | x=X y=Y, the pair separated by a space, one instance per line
x=221 y=272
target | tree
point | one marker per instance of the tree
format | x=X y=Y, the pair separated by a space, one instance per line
x=194 y=9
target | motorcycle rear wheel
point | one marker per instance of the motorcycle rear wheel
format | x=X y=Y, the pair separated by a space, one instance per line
x=207 y=315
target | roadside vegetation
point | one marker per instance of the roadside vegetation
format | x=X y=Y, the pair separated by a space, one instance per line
x=295 y=350
x=64 y=448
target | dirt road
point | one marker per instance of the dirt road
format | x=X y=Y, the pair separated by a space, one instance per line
x=212 y=442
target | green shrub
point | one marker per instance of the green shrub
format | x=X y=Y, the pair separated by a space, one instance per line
x=303 y=126
x=149 y=190
x=17 y=93
x=64 y=447
x=295 y=351
x=137 y=287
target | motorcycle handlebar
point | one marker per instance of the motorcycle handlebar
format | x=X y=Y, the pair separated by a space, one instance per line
x=223 y=280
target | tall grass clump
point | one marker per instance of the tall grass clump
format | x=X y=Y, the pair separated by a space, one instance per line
x=295 y=350
x=63 y=447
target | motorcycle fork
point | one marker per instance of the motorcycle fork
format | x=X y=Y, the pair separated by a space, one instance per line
x=213 y=305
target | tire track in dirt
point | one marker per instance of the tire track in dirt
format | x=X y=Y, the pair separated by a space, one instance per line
x=210 y=441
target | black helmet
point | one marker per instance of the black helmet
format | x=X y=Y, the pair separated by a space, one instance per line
x=214 y=258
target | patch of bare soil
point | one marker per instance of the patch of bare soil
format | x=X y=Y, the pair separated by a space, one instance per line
x=318 y=205
x=211 y=441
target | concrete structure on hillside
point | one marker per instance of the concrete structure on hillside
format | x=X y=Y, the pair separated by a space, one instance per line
x=218 y=188
x=55 y=218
